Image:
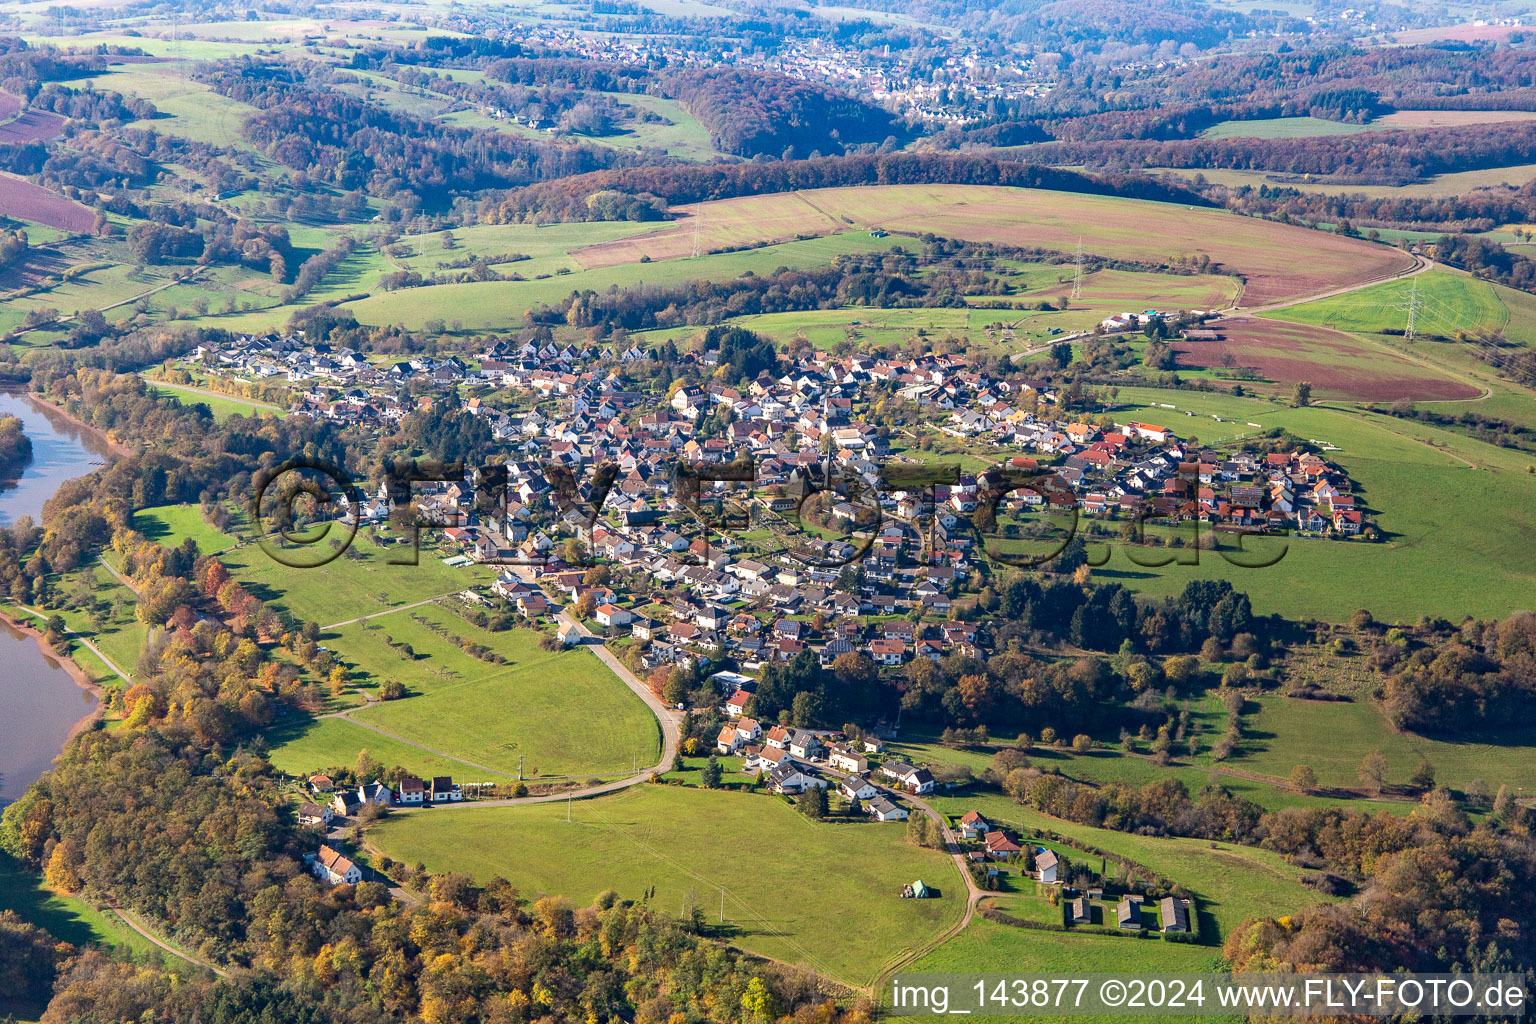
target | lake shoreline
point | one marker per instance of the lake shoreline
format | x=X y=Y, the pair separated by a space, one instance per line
x=44 y=406
x=70 y=666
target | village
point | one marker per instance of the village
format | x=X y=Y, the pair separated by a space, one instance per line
x=827 y=547
x=599 y=535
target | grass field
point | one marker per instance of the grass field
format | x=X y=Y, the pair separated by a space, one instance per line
x=1333 y=737
x=1105 y=766
x=1438 y=186
x=1278 y=260
x=547 y=246
x=1419 y=482
x=561 y=713
x=169 y=525
x=823 y=894
x=300 y=745
x=222 y=406
x=121 y=636
x=191 y=110
x=1281 y=128
x=1231 y=882
x=1449 y=303
x=497 y=305
x=988 y=947
x=65 y=917
x=348 y=587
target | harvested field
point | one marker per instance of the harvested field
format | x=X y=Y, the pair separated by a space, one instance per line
x=1338 y=365
x=1278 y=261
x=1456 y=33
x=25 y=201
x=1450 y=118
x=33 y=126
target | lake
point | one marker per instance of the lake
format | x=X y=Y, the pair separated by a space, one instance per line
x=60 y=451
x=39 y=700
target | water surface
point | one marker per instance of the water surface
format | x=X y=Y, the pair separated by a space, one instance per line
x=39 y=701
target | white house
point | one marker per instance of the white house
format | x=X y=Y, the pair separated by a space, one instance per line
x=804 y=745
x=790 y=778
x=315 y=814
x=856 y=787
x=844 y=759
x=612 y=615
x=330 y=866
x=1045 y=866
x=883 y=809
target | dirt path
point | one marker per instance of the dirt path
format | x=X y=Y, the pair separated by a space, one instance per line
x=347 y=716
x=390 y=611
x=68 y=663
x=121 y=302
x=132 y=921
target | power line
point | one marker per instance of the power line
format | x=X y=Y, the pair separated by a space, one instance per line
x=1077 y=277
x=1413 y=311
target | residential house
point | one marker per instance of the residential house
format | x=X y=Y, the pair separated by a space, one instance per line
x=1046 y=865
x=413 y=792
x=883 y=809
x=856 y=787
x=314 y=814
x=973 y=825
x=845 y=759
x=329 y=865
x=791 y=778
x=805 y=746
x=444 y=790
x=999 y=846
x=611 y=615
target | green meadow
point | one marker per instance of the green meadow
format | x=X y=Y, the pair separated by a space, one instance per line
x=359 y=583
x=68 y=918
x=169 y=525
x=1333 y=737
x=497 y=305
x=1448 y=302
x=1230 y=882
x=1281 y=128
x=222 y=406
x=1104 y=766
x=560 y=713
x=301 y=745
x=988 y=947
x=823 y=894
x=1453 y=510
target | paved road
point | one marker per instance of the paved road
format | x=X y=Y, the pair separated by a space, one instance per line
x=668 y=718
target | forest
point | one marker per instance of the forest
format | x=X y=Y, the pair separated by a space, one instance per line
x=565 y=200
